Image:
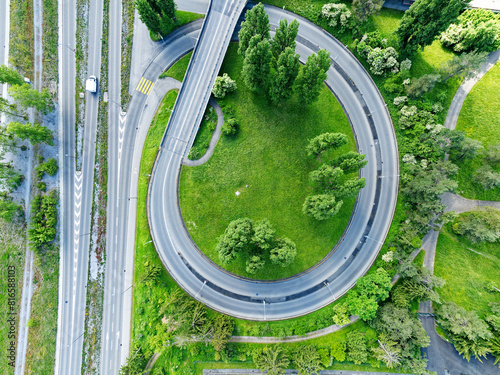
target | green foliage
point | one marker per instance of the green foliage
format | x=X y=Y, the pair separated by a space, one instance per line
x=424 y=20
x=363 y=9
x=284 y=38
x=487 y=177
x=482 y=224
x=274 y=360
x=256 y=23
x=35 y=132
x=283 y=78
x=465 y=65
x=135 y=364
x=10 y=75
x=50 y=167
x=307 y=360
x=255 y=240
x=475 y=30
x=375 y=285
x=43 y=222
x=420 y=86
x=10 y=179
x=321 y=207
x=350 y=162
x=256 y=66
x=158 y=16
x=361 y=305
x=387 y=352
x=338 y=351
x=311 y=77
x=383 y=60
x=469 y=332
x=10 y=211
x=356 y=346
x=337 y=15
x=325 y=141
x=223 y=327
x=28 y=97
x=341 y=314
x=327 y=177
x=223 y=85
x=230 y=127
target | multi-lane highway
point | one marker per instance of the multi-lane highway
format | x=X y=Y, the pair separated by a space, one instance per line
x=369 y=224
x=76 y=186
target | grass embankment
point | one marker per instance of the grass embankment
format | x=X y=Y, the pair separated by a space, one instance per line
x=12 y=249
x=178 y=70
x=182 y=18
x=40 y=357
x=267 y=163
x=480 y=119
x=468 y=274
x=128 y=8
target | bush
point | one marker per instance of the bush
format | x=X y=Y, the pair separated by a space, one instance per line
x=42 y=186
x=487 y=177
x=482 y=224
x=230 y=127
x=223 y=85
x=337 y=15
x=49 y=167
x=383 y=60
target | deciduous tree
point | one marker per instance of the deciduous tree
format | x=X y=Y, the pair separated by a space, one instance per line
x=311 y=77
x=284 y=252
x=324 y=142
x=283 y=79
x=321 y=207
x=10 y=75
x=284 y=38
x=425 y=20
x=363 y=9
x=35 y=132
x=307 y=360
x=28 y=97
x=256 y=66
x=256 y=23
x=274 y=360
x=357 y=350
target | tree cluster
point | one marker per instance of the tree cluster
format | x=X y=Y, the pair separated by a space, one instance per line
x=256 y=241
x=479 y=225
x=424 y=21
x=271 y=66
x=157 y=15
x=42 y=228
x=332 y=178
x=486 y=175
x=474 y=30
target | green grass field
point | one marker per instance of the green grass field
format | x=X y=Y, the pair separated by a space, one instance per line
x=480 y=119
x=267 y=163
x=467 y=273
x=178 y=70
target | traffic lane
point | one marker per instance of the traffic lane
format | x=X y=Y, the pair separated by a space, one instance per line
x=195 y=6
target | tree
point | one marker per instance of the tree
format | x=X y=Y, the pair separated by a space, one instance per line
x=465 y=65
x=337 y=15
x=469 y=332
x=350 y=162
x=256 y=23
x=223 y=327
x=284 y=38
x=363 y=9
x=321 y=207
x=35 y=132
x=311 y=77
x=350 y=188
x=327 y=177
x=422 y=85
x=482 y=224
x=167 y=7
x=28 y=97
x=492 y=153
x=361 y=305
x=469 y=148
x=148 y=16
x=236 y=237
x=263 y=234
x=223 y=85
x=135 y=364
x=487 y=177
x=337 y=351
x=254 y=263
x=387 y=351
x=256 y=67
x=341 y=314
x=10 y=211
x=273 y=360
x=324 y=142
x=10 y=179
x=307 y=360
x=9 y=109
x=10 y=75
x=284 y=252
x=357 y=351
x=375 y=285
x=424 y=20
x=283 y=79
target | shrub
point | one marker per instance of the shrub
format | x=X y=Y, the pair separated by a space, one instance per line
x=383 y=60
x=230 y=127
x=42 y=186
x=487 y=177
x=223 y=86
x=479 y=225
x=337 y=15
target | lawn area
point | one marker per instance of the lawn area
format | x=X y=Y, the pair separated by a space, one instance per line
x=467 y=273
x=480 y=119
x=178 y=70
x=267 y=163
x=182 y=18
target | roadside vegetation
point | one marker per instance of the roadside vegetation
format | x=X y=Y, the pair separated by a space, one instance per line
x=22 y=40
x=50 y=45
x=480 y=120
x=178 y=70
x=128 y=9
x=204 y=135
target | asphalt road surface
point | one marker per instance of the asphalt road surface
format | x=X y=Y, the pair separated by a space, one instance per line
x=354 y=254
x=76 y=187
